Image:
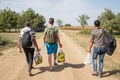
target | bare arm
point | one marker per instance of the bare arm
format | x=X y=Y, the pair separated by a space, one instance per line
x=44 y=37
x=90 y=46
x=19 y=44
x=35 y=43
x=58 y=39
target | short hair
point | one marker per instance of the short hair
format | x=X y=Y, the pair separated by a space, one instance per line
x=97 y=23
x=27 y=23
x=51 y=20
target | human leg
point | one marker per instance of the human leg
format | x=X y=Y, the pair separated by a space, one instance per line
x=95 y=54
x=55 y=58
x=55 y=48
x=50 y=61
x=49 y=52
x=26 y=51
x=31 y=55
x=101 y=58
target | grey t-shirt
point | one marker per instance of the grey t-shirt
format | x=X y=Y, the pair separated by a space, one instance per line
x=97 y=37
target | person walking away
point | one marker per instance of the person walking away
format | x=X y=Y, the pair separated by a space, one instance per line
x=27 y=41
x=97 y=39
x=51 y=40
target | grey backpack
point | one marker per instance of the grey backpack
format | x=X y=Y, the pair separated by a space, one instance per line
x=51 y=35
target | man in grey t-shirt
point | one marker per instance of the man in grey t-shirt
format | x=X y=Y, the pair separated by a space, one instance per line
x=97 y=39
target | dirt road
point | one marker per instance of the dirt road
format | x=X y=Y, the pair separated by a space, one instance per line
x=13 y=65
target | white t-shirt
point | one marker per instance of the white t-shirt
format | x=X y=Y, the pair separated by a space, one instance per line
x=26 y=29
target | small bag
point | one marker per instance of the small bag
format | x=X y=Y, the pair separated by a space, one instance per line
x=61 y=56
x=88 y=59
x=38 y=58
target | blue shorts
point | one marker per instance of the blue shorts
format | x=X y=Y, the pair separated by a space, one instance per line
x=51 y=48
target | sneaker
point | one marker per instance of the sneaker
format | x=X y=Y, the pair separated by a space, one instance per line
x=95 y=73
x=33 y=67
x=100 y=75
x=30 y=73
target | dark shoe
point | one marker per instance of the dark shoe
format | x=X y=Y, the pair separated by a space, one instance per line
x=95 y=73
x=30 y=73
x=33 y=67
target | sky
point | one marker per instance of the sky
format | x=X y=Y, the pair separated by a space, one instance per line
x=66 y=10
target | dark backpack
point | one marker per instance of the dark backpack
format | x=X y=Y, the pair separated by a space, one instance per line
x=26 y=40
x=110 y=43
x=51 y=35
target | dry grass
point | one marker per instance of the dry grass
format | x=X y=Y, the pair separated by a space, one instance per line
x=13 y=39
x=76 y=28
x=14 y=36
x=112 y=63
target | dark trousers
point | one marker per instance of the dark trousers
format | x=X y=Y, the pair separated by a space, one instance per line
x=29 y=53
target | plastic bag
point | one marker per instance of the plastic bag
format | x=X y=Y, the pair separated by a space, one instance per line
x=61 y=56
x=88 y=59
x=38 y=58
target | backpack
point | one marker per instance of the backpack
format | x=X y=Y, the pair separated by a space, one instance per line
x=110 y=43
x=51 y=35
x=26 y=40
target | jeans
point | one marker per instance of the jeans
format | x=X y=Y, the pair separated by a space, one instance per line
x=29 y=53
x=101 y=53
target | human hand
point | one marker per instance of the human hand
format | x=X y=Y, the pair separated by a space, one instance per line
x=89 y=51
x=20 y=50
x=38 y=49
x=60 y=45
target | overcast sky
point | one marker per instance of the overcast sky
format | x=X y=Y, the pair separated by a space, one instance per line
x=65 y=10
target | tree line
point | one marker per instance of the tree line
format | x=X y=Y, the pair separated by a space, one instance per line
x=10 y=19
x=109 y=20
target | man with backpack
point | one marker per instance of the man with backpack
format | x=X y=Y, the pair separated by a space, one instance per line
x=51 y=40
x=27 y=41
x=97 y=38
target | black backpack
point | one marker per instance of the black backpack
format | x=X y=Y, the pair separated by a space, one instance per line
x=26 y=40
x=110 y=43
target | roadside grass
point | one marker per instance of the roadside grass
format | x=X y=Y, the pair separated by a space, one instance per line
x=11 y=39
x=111 y=63
x=6 y=43
x=112 y=66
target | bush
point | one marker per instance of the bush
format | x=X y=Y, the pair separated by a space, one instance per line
x=67 y=24
x=4 y=43
x=85 y=31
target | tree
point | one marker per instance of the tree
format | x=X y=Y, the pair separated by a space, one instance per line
x=8 y=19
x=59 y=22
x=11 y=20
x=107 y=19
x=67 y=24
x=35 y=19
x=117 y=23
x=38 y=21
x=83 y=20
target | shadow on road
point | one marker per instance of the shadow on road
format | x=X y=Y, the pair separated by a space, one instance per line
x=59 y=68
x=1 y=54
x=66 y=65
x=109 y=73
